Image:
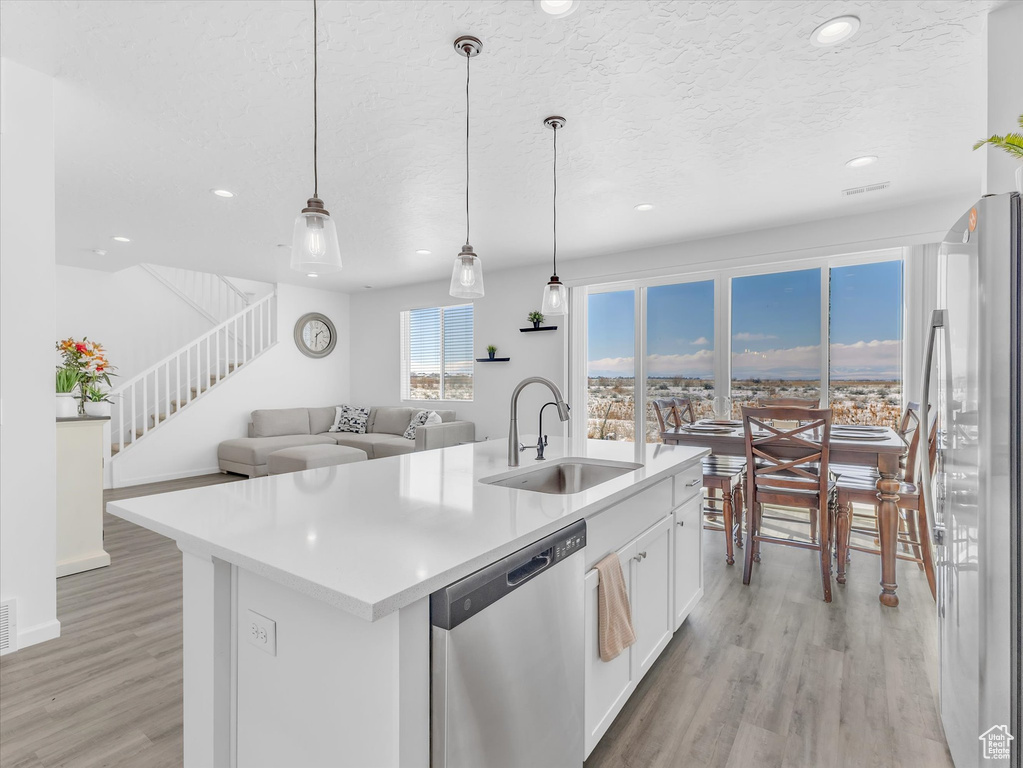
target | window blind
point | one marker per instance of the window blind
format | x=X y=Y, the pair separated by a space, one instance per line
x=436 y=354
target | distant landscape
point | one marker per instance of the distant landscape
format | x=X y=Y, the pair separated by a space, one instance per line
x=611 y=403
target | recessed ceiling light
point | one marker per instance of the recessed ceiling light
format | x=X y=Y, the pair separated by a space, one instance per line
x=312 y=274
x=99 y=251
x=859 y=162
x=423 y=252
x=222 y=193
x=121 y=239
x=835 y=31
x=645 y=207
x=557 y=8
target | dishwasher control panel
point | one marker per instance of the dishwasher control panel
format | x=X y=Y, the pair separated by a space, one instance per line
x=462 y=600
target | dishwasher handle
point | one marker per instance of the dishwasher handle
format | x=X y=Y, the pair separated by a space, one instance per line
x=530 y=569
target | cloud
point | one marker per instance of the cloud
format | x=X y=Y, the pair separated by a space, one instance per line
x=700 y=342
x=862 y=359
x=753 y=336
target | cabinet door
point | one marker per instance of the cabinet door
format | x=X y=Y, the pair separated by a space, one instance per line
x=688 y=558
x=651 y=594
x=608 y=683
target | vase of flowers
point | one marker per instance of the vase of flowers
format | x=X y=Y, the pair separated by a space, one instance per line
x=67 y=386
x=96 y=402
x=1011 y=144
x=89 y=360
x=536 y=317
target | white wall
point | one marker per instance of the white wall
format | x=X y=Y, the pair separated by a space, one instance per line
x=511 y=294
x=280 y=378
x=132 y=314
x=1004 y=93
x=28 y=501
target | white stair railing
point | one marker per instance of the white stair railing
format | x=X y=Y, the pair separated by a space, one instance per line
x=145 y=401
x=214 y=296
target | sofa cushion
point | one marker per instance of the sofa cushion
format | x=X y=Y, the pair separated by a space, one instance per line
x=320 y=419
x=418 y=419
x=367 y=443
x=280 y=421
x=446 y=416
x=391 y=420
x=393 y=446
x=253 y=451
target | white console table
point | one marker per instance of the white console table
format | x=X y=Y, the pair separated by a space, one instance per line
x=80 y=495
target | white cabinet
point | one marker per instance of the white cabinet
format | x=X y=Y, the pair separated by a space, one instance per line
x=80 y=496
x=688 y=559
x=652 y=616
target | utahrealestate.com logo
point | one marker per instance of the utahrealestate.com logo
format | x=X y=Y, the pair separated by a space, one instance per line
x=996 y=742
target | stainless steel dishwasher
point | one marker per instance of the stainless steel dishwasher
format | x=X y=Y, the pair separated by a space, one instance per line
x=507 y=660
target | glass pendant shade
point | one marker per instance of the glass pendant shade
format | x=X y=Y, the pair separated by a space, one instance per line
x=555 y=298
x=314 y=245
x=467 y=275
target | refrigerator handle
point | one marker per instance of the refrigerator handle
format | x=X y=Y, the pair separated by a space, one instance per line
x=939 y=317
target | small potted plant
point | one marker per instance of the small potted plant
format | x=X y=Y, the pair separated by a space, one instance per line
x=89 y=360
x=1011 y=143
x=96 y=402
x=67 y=382
x=536 y=317
x=491 y=351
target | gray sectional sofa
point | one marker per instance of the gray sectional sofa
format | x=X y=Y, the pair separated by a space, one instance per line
x=273 y=430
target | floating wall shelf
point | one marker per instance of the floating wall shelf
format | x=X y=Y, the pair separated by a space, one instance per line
x=541 y=328
x=492 y=359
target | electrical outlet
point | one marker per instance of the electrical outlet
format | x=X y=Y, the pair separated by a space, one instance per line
x=261 y=632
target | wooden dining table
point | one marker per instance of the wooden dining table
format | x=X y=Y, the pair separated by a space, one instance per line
x=883 y=453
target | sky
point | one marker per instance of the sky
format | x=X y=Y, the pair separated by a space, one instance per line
x=776 y=326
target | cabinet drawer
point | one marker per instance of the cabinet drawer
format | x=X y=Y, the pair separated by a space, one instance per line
x=688 y=483
x=620 y=524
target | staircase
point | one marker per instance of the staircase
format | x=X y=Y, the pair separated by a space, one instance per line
x=213 y=296
x=154 y=397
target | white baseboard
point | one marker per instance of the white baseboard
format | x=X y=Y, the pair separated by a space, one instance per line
x=120 y=483
x=81 y=564
x=39 y=633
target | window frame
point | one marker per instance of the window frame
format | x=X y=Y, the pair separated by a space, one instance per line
x=405 y=373
x=723 y=320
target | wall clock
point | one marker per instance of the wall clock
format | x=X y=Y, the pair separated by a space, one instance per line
x=315 y=335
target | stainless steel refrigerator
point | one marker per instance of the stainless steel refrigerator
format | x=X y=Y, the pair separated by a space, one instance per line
x=972 y=380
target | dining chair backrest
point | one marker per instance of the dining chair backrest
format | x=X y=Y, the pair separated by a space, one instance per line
x=773 y=457
x=684 y=410
x=909 y=431
x=664 y=410
x=787 y=402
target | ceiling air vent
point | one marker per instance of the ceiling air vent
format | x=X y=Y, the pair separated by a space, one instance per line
x=869 y=188
x=8 y=627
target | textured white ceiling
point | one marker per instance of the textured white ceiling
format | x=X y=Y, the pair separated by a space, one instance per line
x=720 y=113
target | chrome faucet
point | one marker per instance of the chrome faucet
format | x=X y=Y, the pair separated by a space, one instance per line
x=513 y=424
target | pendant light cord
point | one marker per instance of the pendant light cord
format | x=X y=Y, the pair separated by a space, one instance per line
x=467 y=58
x=555 y=199
x=316 y=121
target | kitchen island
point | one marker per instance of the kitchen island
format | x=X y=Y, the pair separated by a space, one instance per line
x=306 y=596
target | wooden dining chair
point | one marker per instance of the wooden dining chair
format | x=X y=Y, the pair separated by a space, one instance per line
x=914 y=533
x=722 y=475
x=778 y=476
x=787 y=402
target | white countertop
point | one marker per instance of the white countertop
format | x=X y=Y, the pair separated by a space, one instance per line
x=374 y=536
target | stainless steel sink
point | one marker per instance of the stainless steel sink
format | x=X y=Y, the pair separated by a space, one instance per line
x=563 y=476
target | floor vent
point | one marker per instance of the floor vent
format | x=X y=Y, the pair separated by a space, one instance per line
x=869 y=188
x=8 y=626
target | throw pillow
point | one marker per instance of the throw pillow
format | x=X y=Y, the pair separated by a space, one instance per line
x=434 y=418
x=418 y=419
x=348 y=418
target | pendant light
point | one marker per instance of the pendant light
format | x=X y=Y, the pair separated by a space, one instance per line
x=314 y=246
x=555 y=294
x=467 y=273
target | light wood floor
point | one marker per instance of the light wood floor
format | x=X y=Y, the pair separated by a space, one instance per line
x=762 y=676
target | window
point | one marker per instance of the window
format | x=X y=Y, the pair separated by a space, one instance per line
x=866 y=343
x=776 y=337
x=436 y=353
x=611 y=378
x=679 y=348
